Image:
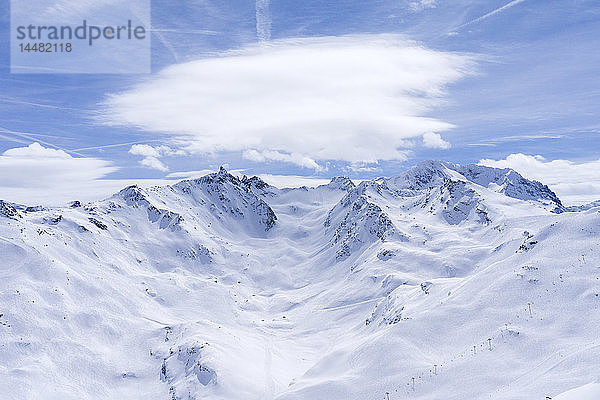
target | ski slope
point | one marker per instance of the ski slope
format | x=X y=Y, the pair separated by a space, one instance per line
x=444 y=282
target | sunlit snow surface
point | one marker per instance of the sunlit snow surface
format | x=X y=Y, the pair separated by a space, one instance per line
x=445 y=282
x=587 y=392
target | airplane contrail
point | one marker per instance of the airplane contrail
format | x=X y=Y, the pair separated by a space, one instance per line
x=14 y=139
x=167 y=44
x=36 y=138
x=496 y=11
x=263 y=20
x=29 y=103
x=106 y=146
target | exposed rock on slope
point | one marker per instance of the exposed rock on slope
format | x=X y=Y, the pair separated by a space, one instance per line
x=227 y=195
x=429 y=174
x=355 y=221
x=8 y=210
x=406 y=285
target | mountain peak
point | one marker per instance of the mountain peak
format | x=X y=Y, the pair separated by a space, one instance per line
x=217 y=178
x=340 y=183
x=238 y=198
x=510 y=183
x=134 y=196
x=421 y=176
x=433 y=173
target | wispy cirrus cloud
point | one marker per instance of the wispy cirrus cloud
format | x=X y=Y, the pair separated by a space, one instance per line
x=263 y=20
x=302 y=101
x=420 y=5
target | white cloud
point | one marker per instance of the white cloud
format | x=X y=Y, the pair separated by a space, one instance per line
x=363 y=167
x=574 y=183
x=273 y=155
x=292 y=181
x=154 y=163
x=191 y=174
x=43 y=167
x=37 y=174
x=152 y=154
x=435 y=141
x=144 y=150
x=302 y=101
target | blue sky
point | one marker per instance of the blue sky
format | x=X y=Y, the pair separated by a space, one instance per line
x=510 y=77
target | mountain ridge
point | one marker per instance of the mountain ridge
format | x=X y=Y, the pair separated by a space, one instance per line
x=417 y=177
x=225 y=287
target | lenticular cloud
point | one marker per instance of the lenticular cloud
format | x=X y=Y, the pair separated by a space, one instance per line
x=353 y=98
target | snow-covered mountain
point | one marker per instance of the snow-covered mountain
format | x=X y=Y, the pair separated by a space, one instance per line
x=444 y=282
